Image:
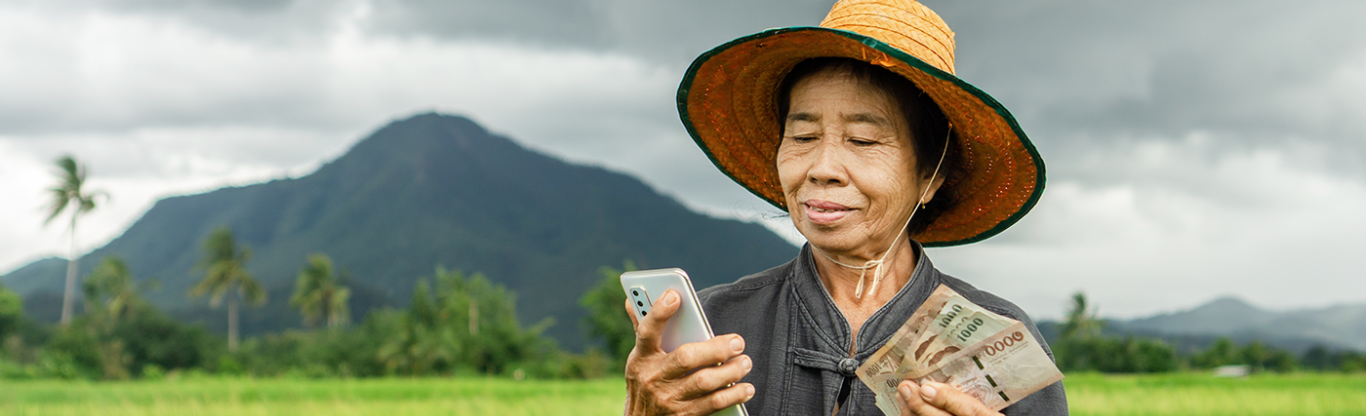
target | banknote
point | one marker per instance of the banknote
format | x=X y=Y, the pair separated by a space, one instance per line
x=887 y=366
x=960 y=324
x=888 y=359
x=1000 y=370
x=954 y=341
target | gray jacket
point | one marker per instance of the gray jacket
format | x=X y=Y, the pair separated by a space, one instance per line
x=799 y=340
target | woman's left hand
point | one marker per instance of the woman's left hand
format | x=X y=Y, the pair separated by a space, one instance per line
x=939 y=399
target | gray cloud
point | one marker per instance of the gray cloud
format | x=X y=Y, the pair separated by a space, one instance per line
x=1202 y=133
x=1072 y=71
x=1256 y=73
x=669 y=31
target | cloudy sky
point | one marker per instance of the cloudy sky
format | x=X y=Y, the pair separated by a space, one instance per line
x=1195 y=148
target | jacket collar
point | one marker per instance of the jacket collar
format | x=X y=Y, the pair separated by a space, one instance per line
x=833 y=329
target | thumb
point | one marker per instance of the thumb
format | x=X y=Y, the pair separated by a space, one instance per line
x=650 y=327
x=955 y=402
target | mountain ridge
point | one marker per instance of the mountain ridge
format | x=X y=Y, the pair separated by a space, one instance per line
x=1338 y=326
x=426 y=191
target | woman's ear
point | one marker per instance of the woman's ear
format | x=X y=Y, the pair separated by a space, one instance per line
x=934 y=182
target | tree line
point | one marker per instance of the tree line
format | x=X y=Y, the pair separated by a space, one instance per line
x=1081 y=347
x=454 y=324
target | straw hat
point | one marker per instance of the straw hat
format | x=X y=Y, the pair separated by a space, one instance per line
x=728 y=102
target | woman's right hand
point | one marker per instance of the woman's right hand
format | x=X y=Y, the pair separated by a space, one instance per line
x=660 y=384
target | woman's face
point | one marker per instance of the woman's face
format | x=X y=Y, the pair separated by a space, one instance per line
x=846 y=165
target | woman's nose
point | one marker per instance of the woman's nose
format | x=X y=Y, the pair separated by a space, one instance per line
x=827 y=165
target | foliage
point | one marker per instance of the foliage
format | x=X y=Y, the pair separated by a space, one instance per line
x=1352 y=362
x=1322 y=358
x=1081 y=319
x=318 y=293
x=97 y=346
x=111 y=289
x=1127 y=355
x=121 y=335
x=225 y=273
x=1256 y=355
x=73 y=352
x=352 y=352
x=70 y=192
x=11 y=314
x=1081 y=348
x=464 y=324
x=607 y=319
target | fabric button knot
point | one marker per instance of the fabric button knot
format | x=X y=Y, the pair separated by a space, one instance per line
x=847 y=367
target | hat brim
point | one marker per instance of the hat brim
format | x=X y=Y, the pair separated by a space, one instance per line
x=727 y=101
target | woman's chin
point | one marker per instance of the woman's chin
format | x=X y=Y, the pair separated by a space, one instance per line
x=828 y=241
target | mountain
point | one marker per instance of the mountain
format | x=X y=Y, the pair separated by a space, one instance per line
x=1336 y=327
x=1220 y=316
x=421 y=192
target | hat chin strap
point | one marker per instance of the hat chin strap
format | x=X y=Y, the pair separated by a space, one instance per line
x=876 y=265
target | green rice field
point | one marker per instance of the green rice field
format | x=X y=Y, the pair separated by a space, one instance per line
x=1089 y=394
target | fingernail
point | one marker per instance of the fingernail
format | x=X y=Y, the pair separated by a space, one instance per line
x=746 y=364
x=737 y=344
x=670 y=298
x=905 y=391
x=927 y=391
x=749 y=391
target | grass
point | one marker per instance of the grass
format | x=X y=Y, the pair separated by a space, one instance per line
x=1200 y=394
x=1088 y=394
x=333 y=397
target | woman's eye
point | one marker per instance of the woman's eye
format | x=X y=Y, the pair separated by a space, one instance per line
x=803 y=139
x=862 y=142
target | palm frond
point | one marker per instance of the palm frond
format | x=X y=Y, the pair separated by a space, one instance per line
x=251 y=291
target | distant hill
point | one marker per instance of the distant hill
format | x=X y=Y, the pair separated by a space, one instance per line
x=1336 y=327
x=428 y=190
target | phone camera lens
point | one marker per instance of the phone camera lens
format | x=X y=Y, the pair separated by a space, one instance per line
x=642 y=313
x=635 y=293
x=639 y=303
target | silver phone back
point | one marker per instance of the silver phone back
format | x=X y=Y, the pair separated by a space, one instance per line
x=687 y=325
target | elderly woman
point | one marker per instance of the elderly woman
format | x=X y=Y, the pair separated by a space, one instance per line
x=860 y=131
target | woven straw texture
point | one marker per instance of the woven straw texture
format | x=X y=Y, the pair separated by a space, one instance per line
x=727 y=101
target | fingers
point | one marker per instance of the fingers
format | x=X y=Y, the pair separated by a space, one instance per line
x=710 y=379
x=913 y=403
x=936 y=399
x=956 y=402
x=631 y=312
x=649 y=327
x=701 y=354
x=731 y=396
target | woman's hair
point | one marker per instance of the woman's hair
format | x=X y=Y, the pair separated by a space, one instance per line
x=929 y=127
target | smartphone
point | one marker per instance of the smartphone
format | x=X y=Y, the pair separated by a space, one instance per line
x=689 y=324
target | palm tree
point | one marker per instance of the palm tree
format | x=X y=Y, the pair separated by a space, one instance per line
x=317 y=293
x=70 y=192
x=1081 y=319
x=225 y=272
x=111 y=287
x=422 y=342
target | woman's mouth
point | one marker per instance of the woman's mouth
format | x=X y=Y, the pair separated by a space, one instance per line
x=825 y=212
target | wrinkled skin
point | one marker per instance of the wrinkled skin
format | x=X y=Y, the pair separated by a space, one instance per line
x=659 y=383
x=847 y=166
x=939 y=399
